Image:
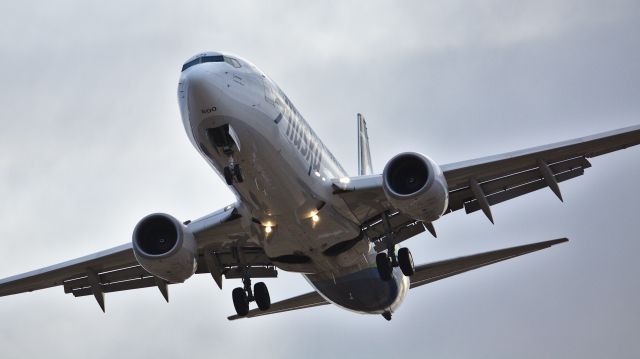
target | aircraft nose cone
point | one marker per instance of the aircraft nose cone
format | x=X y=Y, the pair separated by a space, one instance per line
x=203 y=78
x=204 y=88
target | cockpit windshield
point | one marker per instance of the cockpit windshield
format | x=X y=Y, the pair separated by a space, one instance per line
x=212 y=58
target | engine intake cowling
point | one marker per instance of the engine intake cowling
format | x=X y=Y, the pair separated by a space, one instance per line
x=415 y=186
x=165 y=248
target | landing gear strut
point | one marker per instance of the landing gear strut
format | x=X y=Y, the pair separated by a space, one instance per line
x=242 y=296
x=221 y=138
x=385 y=266
x=231 y=172
x=387 y=261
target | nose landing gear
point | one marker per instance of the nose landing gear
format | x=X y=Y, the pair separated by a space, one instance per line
x=231 y=172
x=223 y=139
x=242 y=296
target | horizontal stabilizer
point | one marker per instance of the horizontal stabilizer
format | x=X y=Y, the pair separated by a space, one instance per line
x=303 y=301
x=424 y=274
x=432 y=272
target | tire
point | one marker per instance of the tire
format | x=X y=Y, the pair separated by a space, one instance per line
x=228 y=176
x=238 y=173
x=405 y=260
x=384 y=266
x=261 y=294
x=240 y=301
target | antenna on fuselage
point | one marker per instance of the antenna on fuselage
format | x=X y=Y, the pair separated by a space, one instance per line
x=364 y=154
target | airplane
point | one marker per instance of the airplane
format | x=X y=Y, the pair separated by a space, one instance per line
x=298 y=210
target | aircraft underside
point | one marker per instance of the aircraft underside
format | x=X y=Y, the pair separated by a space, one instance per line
x=298 y=210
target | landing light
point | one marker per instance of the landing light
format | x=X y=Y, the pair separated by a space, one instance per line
x=267 y=229
x=315 y=218
x=344 y=180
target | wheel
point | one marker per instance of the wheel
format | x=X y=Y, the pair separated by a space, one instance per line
x=238 y=173
x=405 y=260
x=228 y=176
x=384 y=266
x=261 y=293
x=240 y=301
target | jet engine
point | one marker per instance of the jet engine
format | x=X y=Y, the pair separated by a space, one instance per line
x=415 y=186
x=165 y=248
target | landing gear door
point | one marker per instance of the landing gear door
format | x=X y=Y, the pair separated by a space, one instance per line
x=234 y=136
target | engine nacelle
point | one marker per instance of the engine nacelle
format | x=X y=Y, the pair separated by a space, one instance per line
x=165 y=248
x=415 y=186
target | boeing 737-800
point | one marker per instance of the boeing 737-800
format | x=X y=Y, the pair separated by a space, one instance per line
x=298 y=210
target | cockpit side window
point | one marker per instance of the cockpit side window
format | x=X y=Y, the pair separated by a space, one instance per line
x=233 y=62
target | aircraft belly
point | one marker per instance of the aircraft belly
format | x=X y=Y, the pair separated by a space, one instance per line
x=363 y=291
x=281 y=188
x=277 y=188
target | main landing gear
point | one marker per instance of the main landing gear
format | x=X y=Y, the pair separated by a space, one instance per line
x=387 y=261
x=242 y=296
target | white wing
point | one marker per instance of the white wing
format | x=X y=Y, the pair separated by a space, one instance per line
x=221 y=241
x=500 y=177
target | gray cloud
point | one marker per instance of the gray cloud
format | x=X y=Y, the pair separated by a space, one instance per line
x=90 y=122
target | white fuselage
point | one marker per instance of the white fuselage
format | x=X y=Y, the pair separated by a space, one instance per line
x=287 y=179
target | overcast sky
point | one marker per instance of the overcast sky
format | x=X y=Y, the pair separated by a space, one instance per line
x=91 y=141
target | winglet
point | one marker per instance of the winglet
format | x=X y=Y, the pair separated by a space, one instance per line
x=364 y=155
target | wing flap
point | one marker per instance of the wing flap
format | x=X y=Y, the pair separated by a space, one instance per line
x=495 y=179
x=104 y=261
x=497 y=166
x=137 y=283
x=218 y=234
x=106 y=278
x=432 y=272
x=575 y=167
x=520 y=189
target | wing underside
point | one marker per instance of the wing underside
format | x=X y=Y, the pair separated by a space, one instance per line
x=481 y=183
x=223 y=251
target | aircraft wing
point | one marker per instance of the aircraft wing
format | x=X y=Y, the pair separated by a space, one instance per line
x=424 y=274
x=222 y=248
x=480 y=183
